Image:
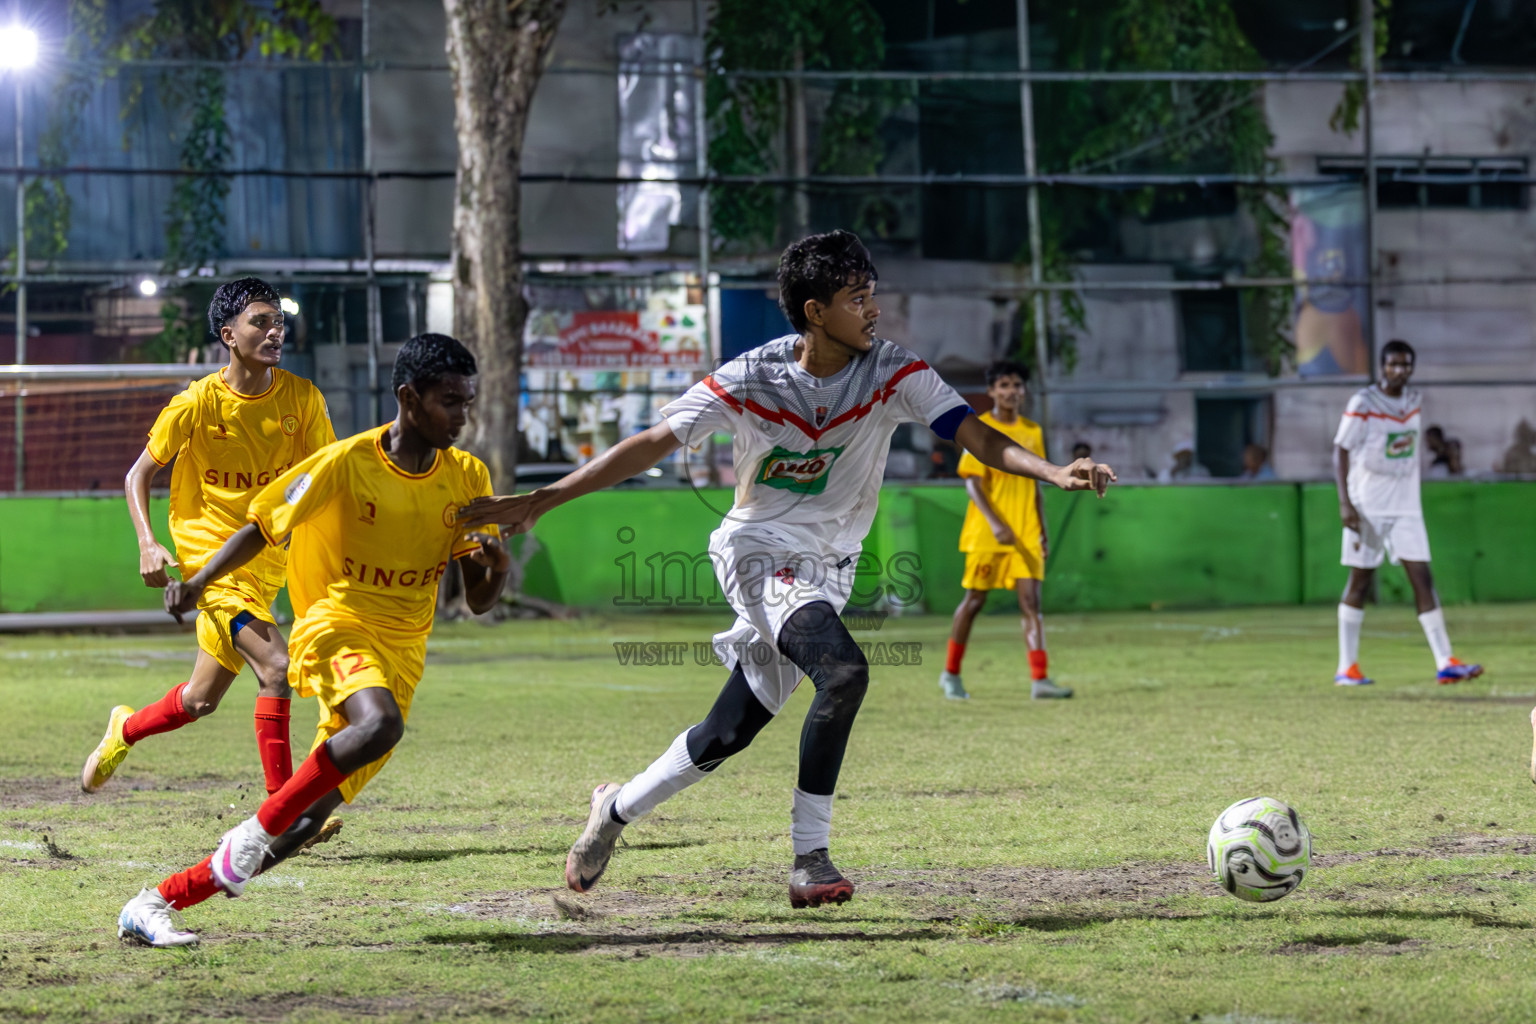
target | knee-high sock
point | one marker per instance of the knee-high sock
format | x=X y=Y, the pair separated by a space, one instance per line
x=190 y=887
x=1439 y=640
x=810 y=821
x=668 y=775
x=272 y=741
x=317 y=776
x=163 y=715
x=1349 y=636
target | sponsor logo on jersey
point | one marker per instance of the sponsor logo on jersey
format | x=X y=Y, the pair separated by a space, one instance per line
x=801 y=472
x=296 y=490
x=241 y=481
x=1400 y=445
x=290 y=424
x=394 y=577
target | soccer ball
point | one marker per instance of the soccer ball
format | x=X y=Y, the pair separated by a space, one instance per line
x=1259 y=849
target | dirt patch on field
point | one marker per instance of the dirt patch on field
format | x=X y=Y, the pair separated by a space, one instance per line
x=1352 y=945
x=270 y=1009
x=51 y=791
x=1472 y=844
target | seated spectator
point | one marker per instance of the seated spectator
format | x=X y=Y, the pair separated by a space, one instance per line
x=1082 y=450
x=1447 y=454
x=1256 y=464
x=1520 y=457
x=1184 y=466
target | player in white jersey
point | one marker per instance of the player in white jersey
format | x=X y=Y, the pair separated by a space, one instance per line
x=812 y=414
x=1376 y=466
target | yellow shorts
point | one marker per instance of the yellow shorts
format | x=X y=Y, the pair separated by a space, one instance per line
x=331 y=663
x=224 y=599
x=999 y=570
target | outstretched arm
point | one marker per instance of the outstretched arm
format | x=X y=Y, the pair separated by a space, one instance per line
x=153 y=558
x=246 y=544
x=632 y=455
x=999 y=451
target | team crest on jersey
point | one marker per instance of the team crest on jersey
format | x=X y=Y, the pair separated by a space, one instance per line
x=1401 y=445
x=290 y=424
x=821 y=416
x=801 y=472
x=451 y=514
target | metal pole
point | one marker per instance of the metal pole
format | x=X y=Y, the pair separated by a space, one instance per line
x=1036 y=238
x=701 y=166
x=1368 y=63
x=21 y=294
x=375 y=320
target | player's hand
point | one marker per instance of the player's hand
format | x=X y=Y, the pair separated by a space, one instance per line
x=1045 y=547
x=493 y=554
x=514 y=513
x=181 y=597
x=1086 y=475
x=1349 y=516
x=1003 y=534
x=153 y=562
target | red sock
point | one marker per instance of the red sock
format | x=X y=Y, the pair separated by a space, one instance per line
x=316 y=777
x=272 y=741
x=952 y=659
x=190 y=887
x=1037 y=660
x=163 y=715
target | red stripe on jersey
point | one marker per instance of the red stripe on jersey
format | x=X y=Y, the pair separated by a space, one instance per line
x=1404 y=418
x=782 y=416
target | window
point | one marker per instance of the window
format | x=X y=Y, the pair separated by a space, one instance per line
x=1212 y=333
x=1461 y=183
x=1224 y=427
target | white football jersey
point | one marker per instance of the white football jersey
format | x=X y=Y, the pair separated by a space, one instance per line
x=1381 y=434
x=810 y=453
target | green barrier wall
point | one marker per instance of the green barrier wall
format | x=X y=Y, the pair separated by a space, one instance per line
x=1139 y=547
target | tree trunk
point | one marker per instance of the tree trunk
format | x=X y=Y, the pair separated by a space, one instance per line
x=496 y=53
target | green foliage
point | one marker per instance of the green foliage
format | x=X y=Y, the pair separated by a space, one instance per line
x=1174 y=127
x=746 y=117
x=177 y=337
x=1346 y=116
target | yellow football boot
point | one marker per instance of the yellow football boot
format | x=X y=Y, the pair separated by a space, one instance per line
x=109 y=753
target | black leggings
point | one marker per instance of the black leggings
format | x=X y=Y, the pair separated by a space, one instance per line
x=815 y=639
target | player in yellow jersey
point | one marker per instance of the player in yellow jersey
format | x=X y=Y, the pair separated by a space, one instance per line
x=1003 y=537
x=374 y=522
x=231 y=433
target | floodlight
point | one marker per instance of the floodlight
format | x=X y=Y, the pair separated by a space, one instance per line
x=18 y=47
x=289 y=306
x=148 y=287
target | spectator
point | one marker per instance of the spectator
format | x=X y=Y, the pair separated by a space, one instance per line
x=1082 y=450
x=1447 y=454
x=1256 y=464
x=1184 y=466
x=1520 y=457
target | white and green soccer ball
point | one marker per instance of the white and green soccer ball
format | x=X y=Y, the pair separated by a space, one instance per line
x=1259 y=849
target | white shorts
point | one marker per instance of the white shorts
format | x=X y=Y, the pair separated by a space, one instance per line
x=767 y=574
x=1403 y=538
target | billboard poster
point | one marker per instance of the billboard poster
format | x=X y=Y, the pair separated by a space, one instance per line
x=1329 y=262
x=670 y=339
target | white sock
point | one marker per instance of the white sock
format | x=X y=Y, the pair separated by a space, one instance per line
x=668 y=775
x=1439 y=640
x=810 y=821
x=1349 y=636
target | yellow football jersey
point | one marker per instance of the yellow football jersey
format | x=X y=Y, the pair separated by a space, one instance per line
x=227 y=447
x=370 y=541
x=1011 y=497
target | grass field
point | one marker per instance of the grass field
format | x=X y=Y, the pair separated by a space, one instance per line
x=1016 y=861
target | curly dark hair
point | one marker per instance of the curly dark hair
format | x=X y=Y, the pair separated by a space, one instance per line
x=428 y=358
x=1399 y=345
x=819 y=266
x=1007 y=368
x=232 y=298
